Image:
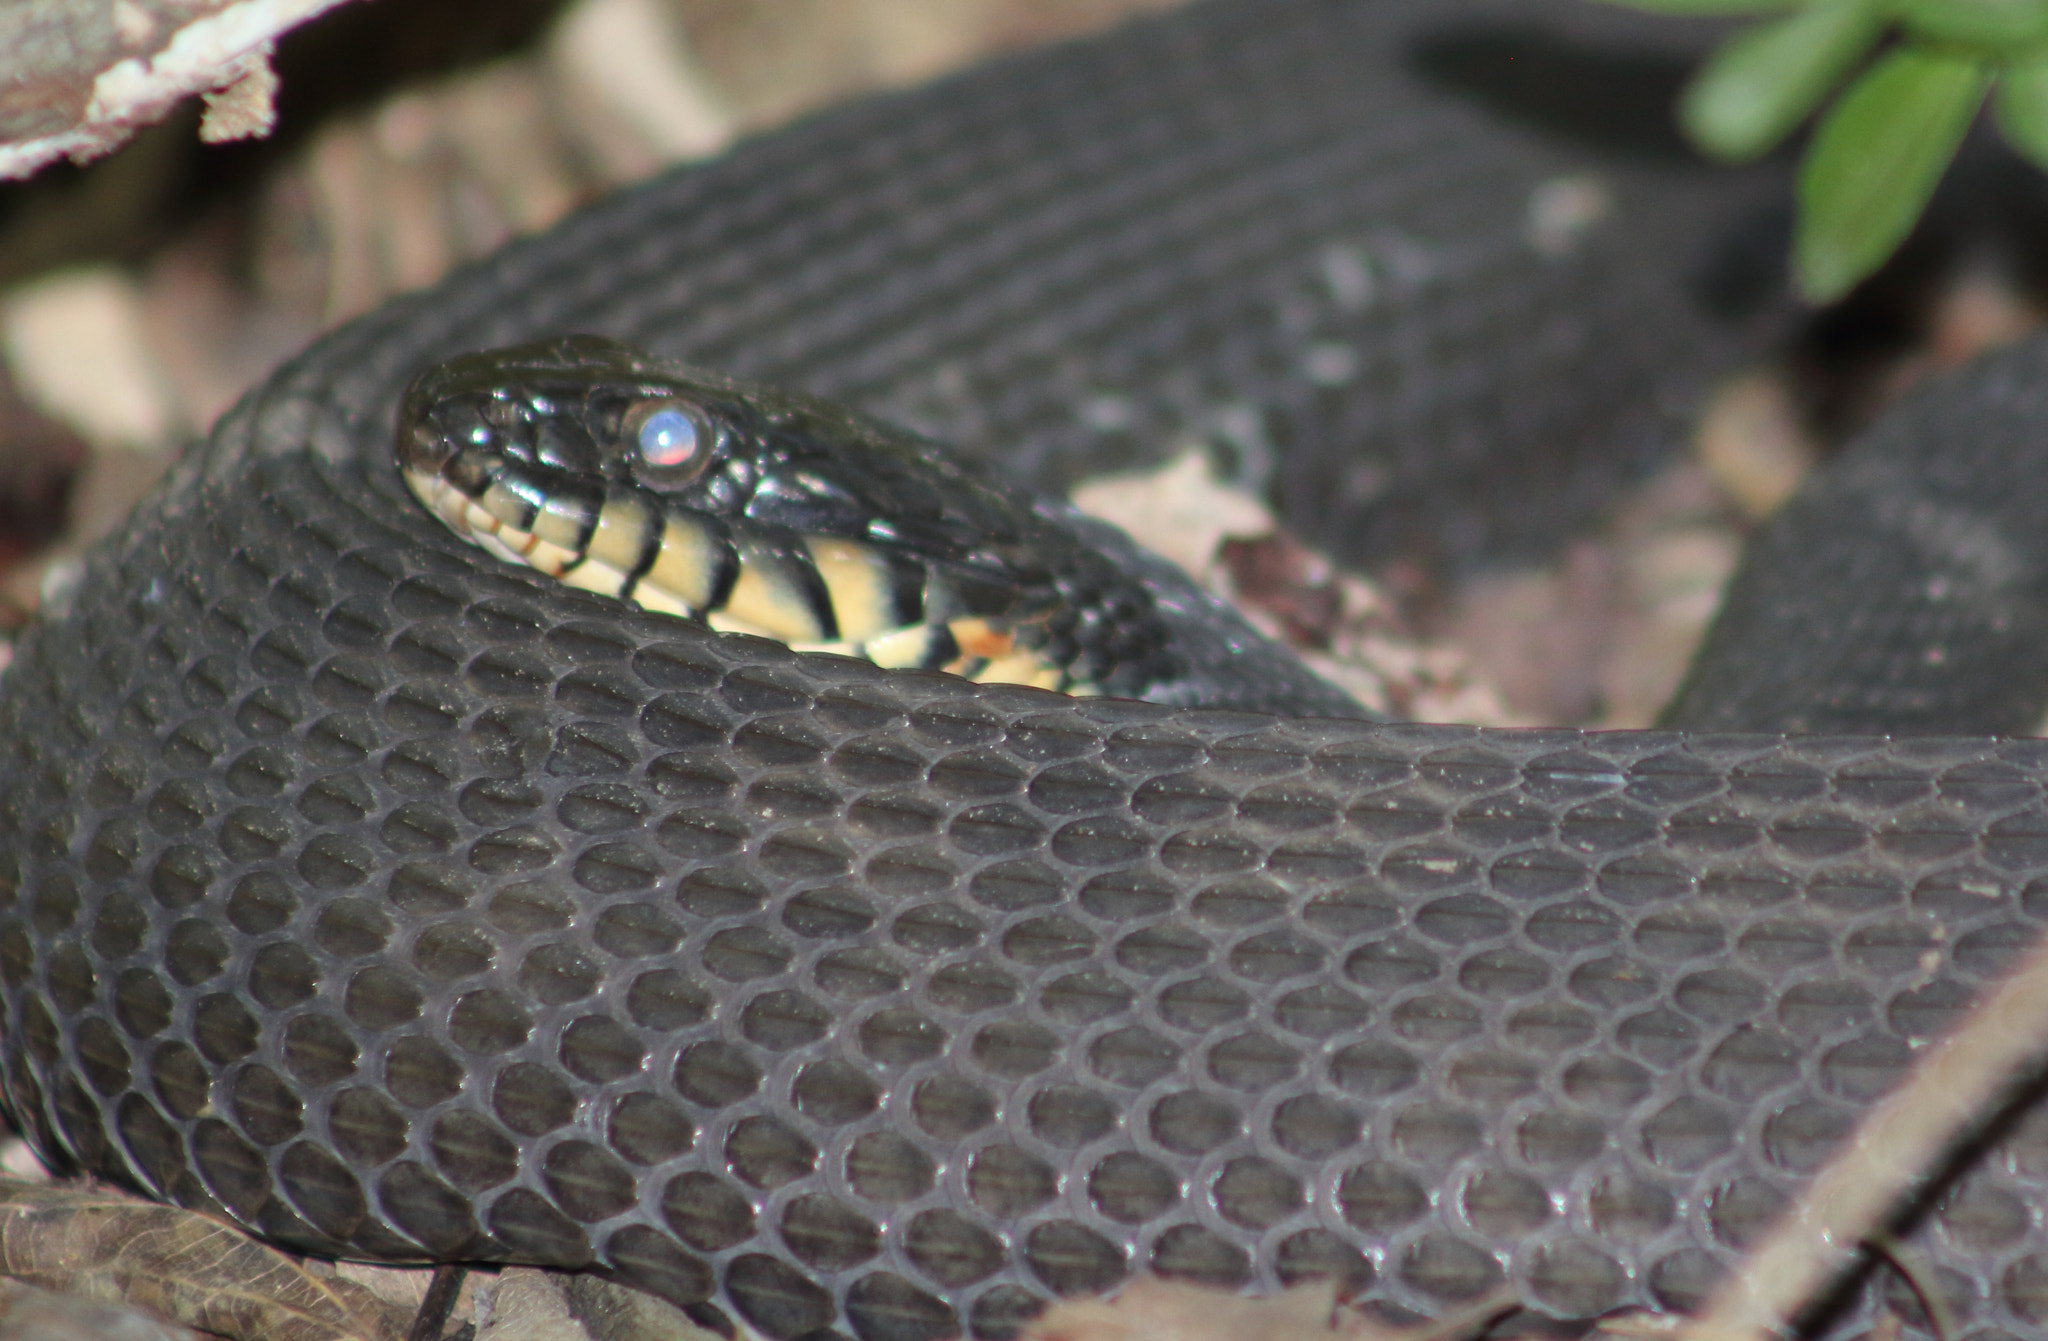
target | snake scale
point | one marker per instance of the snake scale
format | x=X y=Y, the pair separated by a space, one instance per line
x=397 y=904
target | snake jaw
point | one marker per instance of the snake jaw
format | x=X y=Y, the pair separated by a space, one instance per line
x=475 y=522
x=813 y=526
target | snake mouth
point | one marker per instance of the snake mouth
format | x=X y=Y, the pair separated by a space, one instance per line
x=505 y=523
x=812 y=593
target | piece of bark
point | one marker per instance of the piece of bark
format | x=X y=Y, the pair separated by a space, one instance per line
x=78 y=77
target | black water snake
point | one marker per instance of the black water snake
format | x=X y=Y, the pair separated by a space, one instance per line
x=398 y=904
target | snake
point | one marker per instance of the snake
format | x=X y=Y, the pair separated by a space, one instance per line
x=398 y=902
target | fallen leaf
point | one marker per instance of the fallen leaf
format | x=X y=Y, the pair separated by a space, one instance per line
x=106 y=1246
x=1152 y=1309
x=31 y=1314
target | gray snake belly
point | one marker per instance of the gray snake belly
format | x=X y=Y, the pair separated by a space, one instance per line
x=396 y=905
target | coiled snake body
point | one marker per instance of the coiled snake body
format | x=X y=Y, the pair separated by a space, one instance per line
x=400 y=904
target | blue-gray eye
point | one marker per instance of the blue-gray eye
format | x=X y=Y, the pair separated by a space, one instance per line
x=668 y=437
x=671 y=440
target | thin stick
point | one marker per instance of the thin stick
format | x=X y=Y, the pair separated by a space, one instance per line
x=1950 y=1091
x=432 y=1319
x=1940 y=1320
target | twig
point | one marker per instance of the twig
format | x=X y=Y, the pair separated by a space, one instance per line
x=1951 y=1093
x=432 y=1319
x=1924 y=1287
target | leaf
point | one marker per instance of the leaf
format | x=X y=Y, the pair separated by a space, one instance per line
x=2022 y=107
x=1987 y=23
x=1765 y=80
x=110 y=1247
x=28 y=1313
x=1708 y=7
x=1875 y=161
x=1153 y=1309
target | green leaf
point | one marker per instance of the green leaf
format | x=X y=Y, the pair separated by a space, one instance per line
x=2022 y=107
x=1876 y=159
x=1766 y=79
x=1709 y=6
x=1986 y=23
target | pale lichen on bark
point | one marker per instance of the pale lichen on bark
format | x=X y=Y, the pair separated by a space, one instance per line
x=78 y=77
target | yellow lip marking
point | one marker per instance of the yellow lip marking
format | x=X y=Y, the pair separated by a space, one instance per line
x=426 y=487
x=655 y=599
x=516 y=541
x=508 y=507
x=561 y=521
x=683 y=573
x=725 y=623
x=620 y=539
x=761 y=599
x=1019 y=668
x=593 y=575
x=442 y=499
x=906 y=647
x=859 y=582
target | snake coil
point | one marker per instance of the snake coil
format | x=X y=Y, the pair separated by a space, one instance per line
x=396 y=904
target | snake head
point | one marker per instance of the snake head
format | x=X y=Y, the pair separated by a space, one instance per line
x=574 y=415
x=758 y=510
x=582 y=408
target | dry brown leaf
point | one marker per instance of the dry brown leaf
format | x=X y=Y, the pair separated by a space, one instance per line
x=1151 y=1309
x=106 y=1246
x=31 y=1314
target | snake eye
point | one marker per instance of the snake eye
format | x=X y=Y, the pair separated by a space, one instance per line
x=671 y=439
